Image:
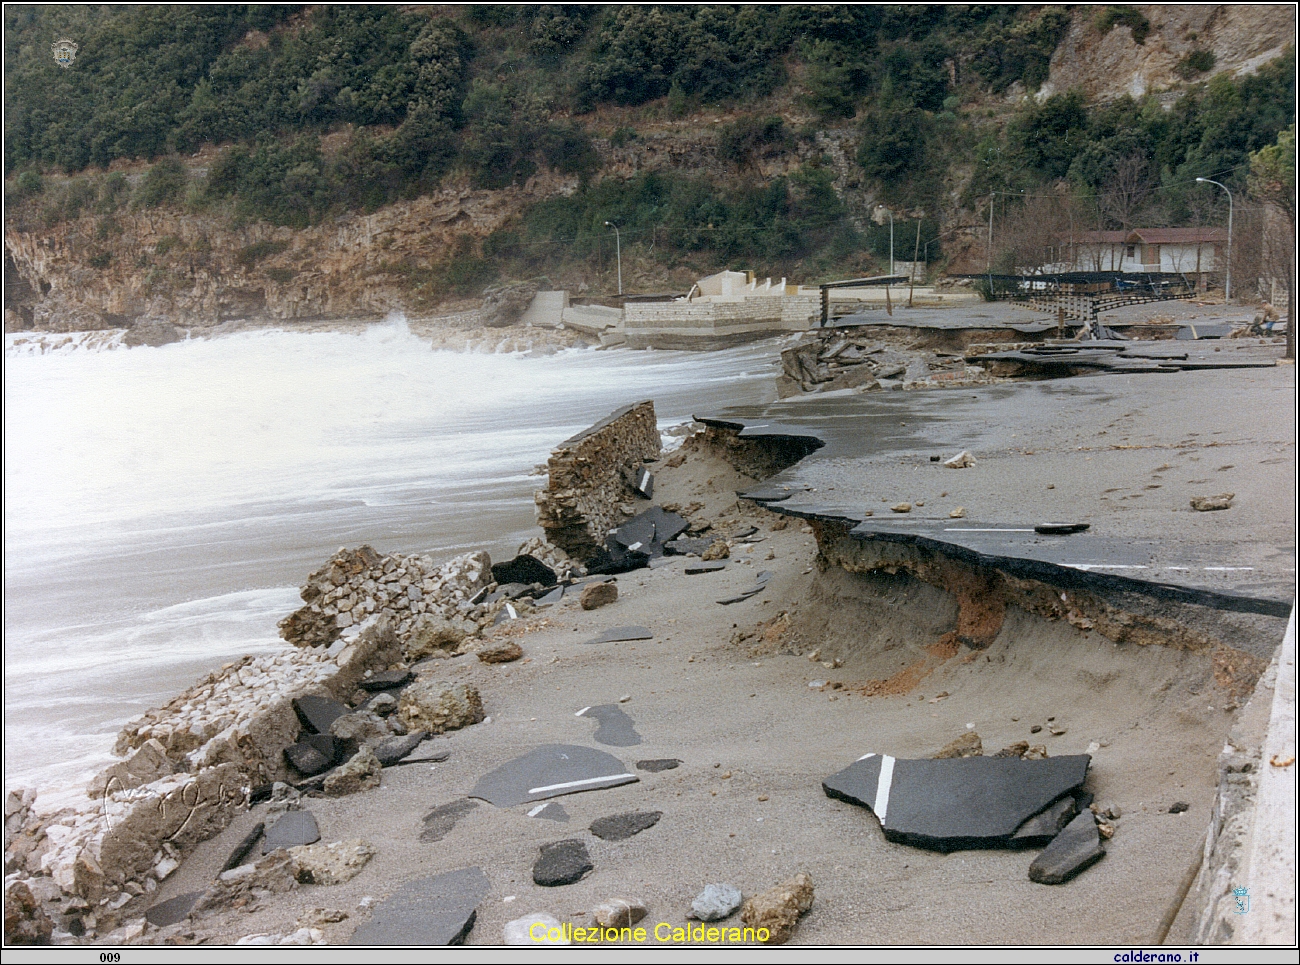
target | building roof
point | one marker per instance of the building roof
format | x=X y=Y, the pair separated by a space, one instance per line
x=1153 y=236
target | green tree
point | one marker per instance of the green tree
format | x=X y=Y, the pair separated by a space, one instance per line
x=1272 y=181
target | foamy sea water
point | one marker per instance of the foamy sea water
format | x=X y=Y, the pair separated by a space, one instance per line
x=162 y=505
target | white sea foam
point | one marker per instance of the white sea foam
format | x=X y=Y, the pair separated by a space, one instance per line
x=163 y=504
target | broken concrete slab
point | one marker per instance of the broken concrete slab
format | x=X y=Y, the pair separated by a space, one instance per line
x=712 y=566
x=621 y=634
x=562 y=863
x=526 y=569
x=312 y=755
x=551 y=771
x=318 y=713
x=503 y=652
x=429 y=911
x=439 y=822
x=1040 y=829
x=330 y=864
x=616 y=728
x=550 y=811
x=716 y=902
x=173 y=910
x=293 y=829
x=777 y=910
x=620 y=827
x=1076 y=848
x=658 y=764
x=387 y=680
x=958 y=803
x=391 y=751
x=245 y=845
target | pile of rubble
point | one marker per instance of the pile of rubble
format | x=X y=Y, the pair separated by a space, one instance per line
x=831 y=362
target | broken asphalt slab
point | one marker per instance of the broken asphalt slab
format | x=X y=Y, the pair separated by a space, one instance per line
x=387 y=680
x=562 y=863
x=312 y=755
x=1076 y=848
x=658 y=764
x=295 y=828
x=240 y=851
x=620 y=827
x=621 y=634
x=429 y=911
x=551 y=771
x=439 y=822
x=648 y=531
x=550 y=811
x=759 y=586
x=525 y=569
x=616 y=728
x=712 y=566
x=172 y=910
x=956 y=803
x=318 y=713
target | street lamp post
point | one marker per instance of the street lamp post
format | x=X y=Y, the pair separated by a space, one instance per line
x=881 y=207
x=618 y=248
x=1227 y=279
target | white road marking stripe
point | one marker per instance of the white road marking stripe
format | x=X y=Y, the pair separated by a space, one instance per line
x=1228 y=569
x=581 y=712
x=866 y=755
x=881 y=807
x=956 y=529
x=1102 y=566
x=539 y=809
x=589 y=780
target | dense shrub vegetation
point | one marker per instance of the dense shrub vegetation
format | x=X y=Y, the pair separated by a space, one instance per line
x=313 y=111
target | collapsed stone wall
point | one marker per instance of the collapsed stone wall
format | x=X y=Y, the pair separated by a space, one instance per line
x=588 y=488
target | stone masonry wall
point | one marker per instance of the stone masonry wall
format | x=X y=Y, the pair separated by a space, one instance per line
x=588 y=486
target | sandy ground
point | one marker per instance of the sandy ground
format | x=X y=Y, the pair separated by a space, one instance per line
x=726 y=690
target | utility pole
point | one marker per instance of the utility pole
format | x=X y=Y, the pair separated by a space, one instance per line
x=1227 y=278
x=618 y=247
x=911 y=275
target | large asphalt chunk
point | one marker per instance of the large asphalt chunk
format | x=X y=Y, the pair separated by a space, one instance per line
x=428 y=911
x=1046 y=824
x=955 y=803
x=616 y=728
x=524 y=569
x=1074 y=849
x=621 y=634
x=293 y=829
x=647 y=532
x=387 y=680
x=562 y=863
x=245 y=845
x=392 y=750
x=317 y=713
x=550 y=771
x=312 y=755
x=172 y=910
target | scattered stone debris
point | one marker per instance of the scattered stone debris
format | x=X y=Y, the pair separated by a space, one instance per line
x=240 y=851
x=967 y=745
x=293 y=829
x=778 y=909
x=1074 y=849
x=437 y=706
x=620 y=827
x=1208 y=504
x=715 y=902
x=439 y=822
x=330 y=864
x=659 y=764
x=439 y=910
x=901 y=508
x=26 y=922
x=963 y=460
x=718 y=550
x=1018 y=749
x=596 y=595
x=619 y=912
x=959 y=803
x=535 y=930
x=241 y=887
x=551 y=771
x=433 y=635
x=1178 y=807
x=361 y=773
x=616 y=728
x=958 y=513
x=622 y=634
x=503 y=652
x=562 y=863
x=312 y=755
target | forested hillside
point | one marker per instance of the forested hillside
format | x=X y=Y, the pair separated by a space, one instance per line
x=711 y=135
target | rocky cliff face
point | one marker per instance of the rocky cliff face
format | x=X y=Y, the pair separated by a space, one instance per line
x=1109 y=65
x=198 y=270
